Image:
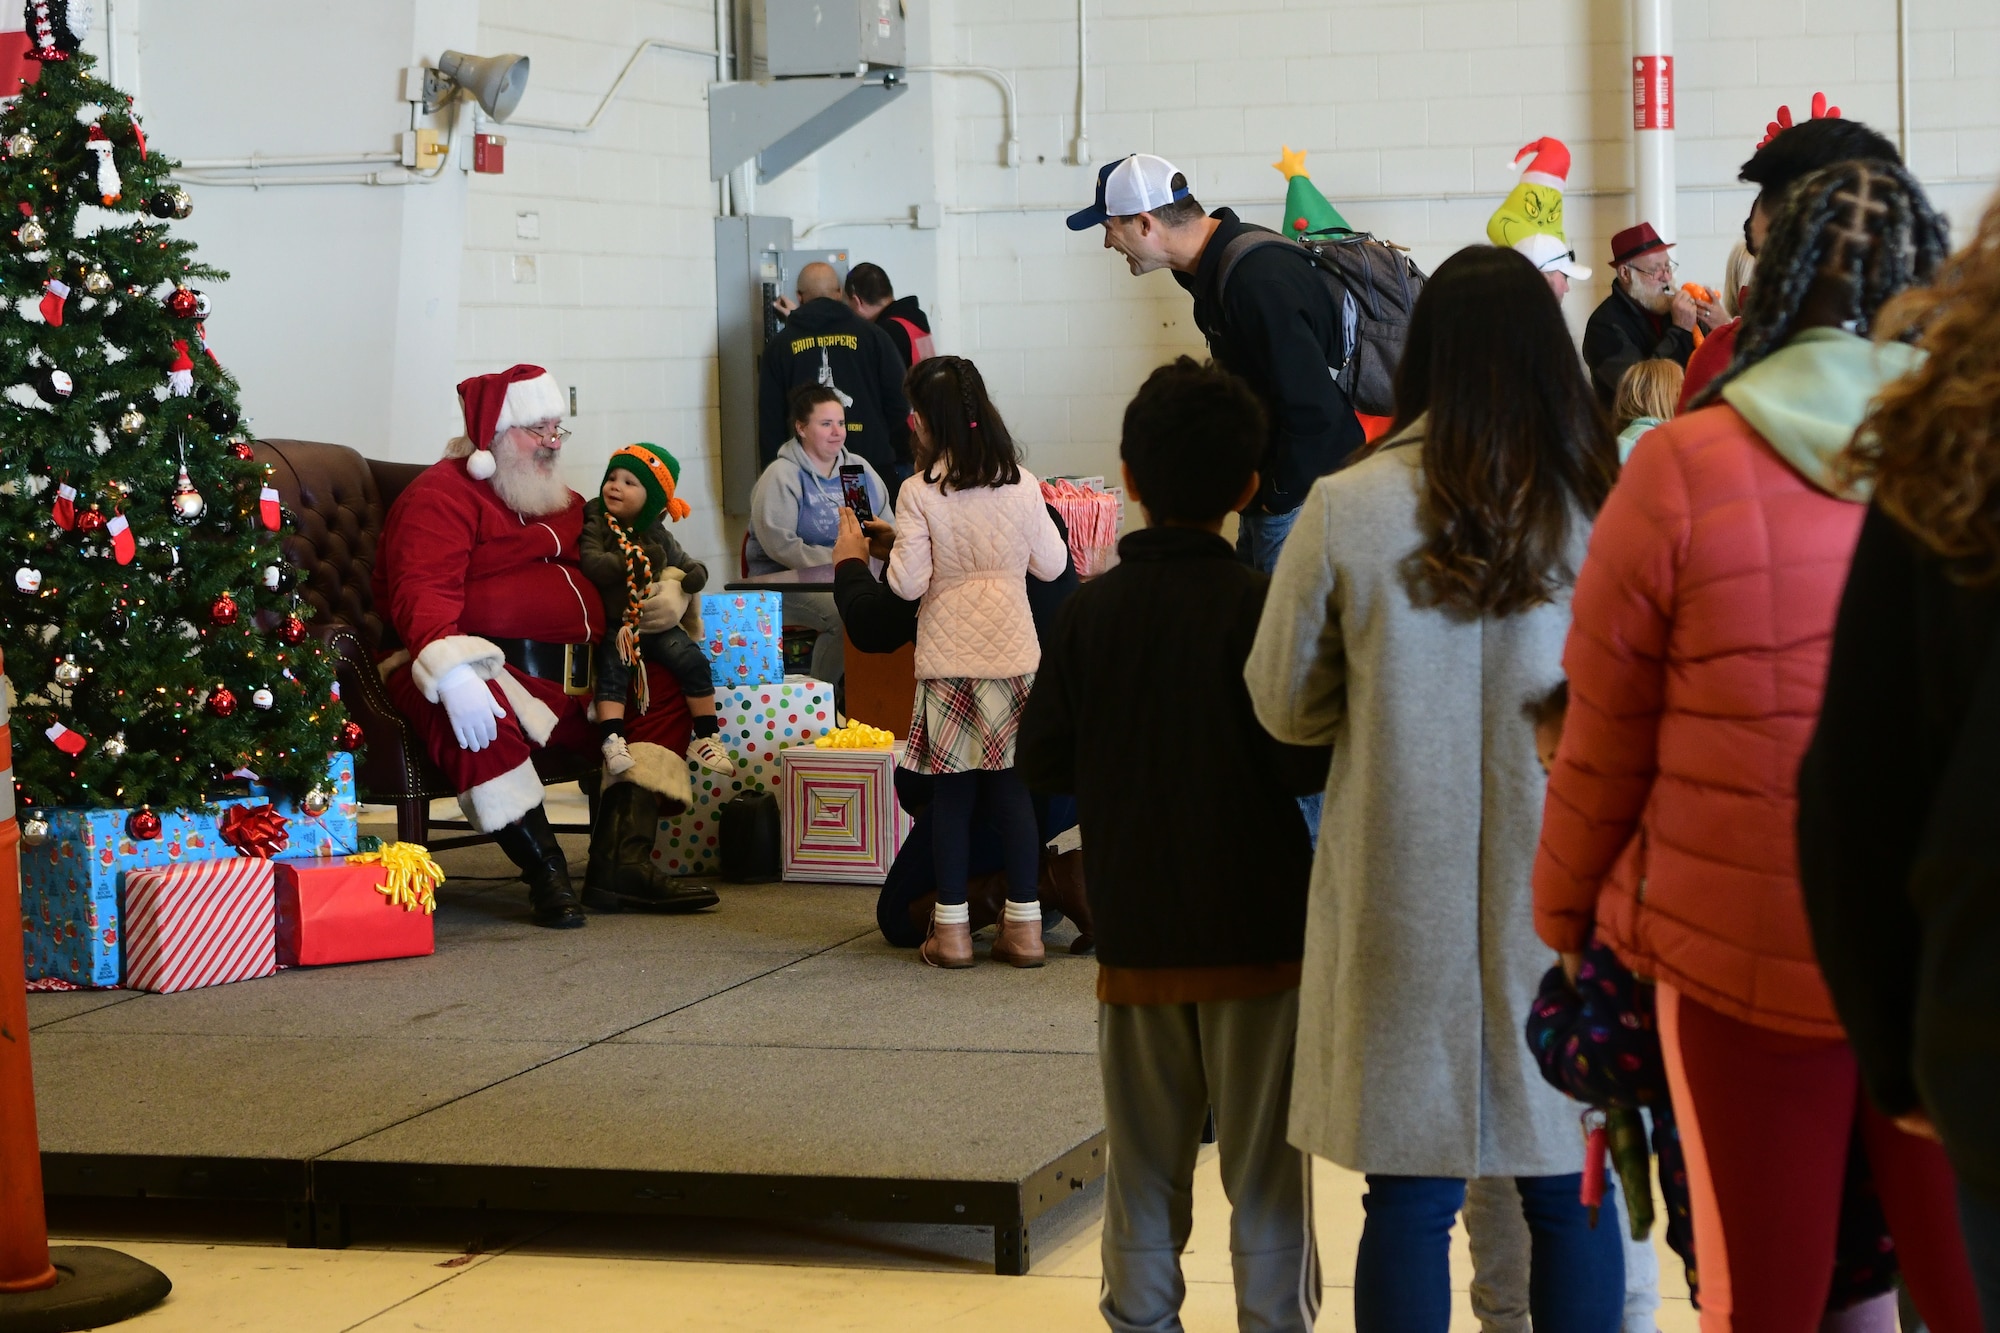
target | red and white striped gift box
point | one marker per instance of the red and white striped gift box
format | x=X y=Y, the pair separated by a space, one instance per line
x=204 y=924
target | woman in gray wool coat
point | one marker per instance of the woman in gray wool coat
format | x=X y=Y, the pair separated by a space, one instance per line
x=1421 y=602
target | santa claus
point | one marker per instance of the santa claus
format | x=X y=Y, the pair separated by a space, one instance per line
x=477 y=572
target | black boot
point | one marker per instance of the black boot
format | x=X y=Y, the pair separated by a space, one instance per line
x=531 y=844
x=621 y=873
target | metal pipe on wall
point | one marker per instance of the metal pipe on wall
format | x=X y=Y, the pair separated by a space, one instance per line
x=1903 y=78
x=1653 y=113
x=1080 y=150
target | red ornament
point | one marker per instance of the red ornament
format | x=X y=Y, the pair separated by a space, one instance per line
x=183 y=303
x=241 y=449
x=224 y=610
x=291 y=629
x=90 y=520
x=143 y=825
x=223 y=702
x=351 y=735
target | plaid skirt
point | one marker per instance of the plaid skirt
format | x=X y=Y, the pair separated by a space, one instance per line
x=961 y=724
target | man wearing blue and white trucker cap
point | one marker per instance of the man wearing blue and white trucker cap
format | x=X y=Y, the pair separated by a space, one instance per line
x=1277 y=326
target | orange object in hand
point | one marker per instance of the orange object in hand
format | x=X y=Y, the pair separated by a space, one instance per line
x=1700 y=293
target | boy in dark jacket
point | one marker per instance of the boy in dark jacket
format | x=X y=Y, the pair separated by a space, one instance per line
x=625 y=549
x=1140 y=710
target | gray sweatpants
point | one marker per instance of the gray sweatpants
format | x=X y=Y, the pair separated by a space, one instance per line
x=1165 y=1066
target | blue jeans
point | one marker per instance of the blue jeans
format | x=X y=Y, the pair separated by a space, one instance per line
x=1402 y=1273
x=1979 y=1218
x=1259 y=538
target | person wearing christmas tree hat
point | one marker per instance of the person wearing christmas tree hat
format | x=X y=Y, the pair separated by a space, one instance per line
x=479 y=573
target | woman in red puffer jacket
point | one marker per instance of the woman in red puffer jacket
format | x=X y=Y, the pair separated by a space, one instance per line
x=1696 y=660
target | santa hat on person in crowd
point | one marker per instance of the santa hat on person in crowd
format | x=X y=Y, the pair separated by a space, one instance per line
x=519 y=396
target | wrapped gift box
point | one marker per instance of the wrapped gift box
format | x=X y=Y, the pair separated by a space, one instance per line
x=838 y=814
x=757 y=724
x=69 y=882
x=205 y=924
x=742 y=640
x=333 y=912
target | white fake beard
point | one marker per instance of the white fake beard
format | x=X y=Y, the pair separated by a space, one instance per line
x=525 y=486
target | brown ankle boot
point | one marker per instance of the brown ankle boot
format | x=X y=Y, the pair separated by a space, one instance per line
x=947 y=946
x=1019 y=943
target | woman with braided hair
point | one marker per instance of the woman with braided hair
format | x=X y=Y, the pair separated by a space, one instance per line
x=1897 y=837
x=1697 y=655
x=970 y=528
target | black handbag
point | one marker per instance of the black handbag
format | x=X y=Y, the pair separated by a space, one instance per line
x=748 y=829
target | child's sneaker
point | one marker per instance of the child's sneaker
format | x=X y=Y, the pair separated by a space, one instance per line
x=617 y=755
x=709 y=753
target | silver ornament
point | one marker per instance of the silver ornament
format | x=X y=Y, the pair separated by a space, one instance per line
x=318 y=801
x=28 y=579
x=182 y=201
x=31 y=233
x=202 y=306
x=188 y=503
x=34 y=830
x=131 y=421
x=96 y=282
x=115 y=747
x=20 y=144
x=67 y=672
x=262 y=698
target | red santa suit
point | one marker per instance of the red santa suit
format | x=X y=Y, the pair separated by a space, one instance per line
x=457 y=568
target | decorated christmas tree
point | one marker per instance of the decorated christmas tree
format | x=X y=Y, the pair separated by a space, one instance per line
x=153 y=635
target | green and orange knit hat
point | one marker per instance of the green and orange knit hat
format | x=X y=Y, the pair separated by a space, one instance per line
x=656 y=470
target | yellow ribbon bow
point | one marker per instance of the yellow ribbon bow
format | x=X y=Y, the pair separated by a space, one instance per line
x=412 y=875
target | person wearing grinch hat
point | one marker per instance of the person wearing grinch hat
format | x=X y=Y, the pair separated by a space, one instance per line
x=477 y=574
x=626 y=550
x=1536 y=204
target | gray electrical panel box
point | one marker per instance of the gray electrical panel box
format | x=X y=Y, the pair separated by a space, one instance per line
x=803 y=37
x=755 y=264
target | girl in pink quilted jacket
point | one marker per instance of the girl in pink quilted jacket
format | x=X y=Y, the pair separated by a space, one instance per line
x=970 y=527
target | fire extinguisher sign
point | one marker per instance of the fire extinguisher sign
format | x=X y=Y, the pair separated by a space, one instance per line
x=1652 y=92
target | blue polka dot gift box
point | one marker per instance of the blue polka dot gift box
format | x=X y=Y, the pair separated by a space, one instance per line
x=757 y=722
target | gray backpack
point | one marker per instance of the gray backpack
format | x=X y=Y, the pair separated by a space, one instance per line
x=1374 y=284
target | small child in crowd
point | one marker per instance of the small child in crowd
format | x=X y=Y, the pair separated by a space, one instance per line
x=626 y=549
x=1648 y=393
x=971 y=526
x=1141 y=711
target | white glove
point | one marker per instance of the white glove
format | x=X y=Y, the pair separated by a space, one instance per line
x=473 y=709
x=666 y=602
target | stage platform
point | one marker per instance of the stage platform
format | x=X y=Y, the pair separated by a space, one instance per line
x=769 y=1059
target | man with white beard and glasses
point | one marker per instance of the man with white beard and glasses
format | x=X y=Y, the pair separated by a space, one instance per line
x=477 y=575
x=1647 y=314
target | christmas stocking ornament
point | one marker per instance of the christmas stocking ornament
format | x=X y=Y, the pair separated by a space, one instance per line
x=69 y=742
x=53 y=296
x=267 y=507
x=180 y=379
x=122 y=544
x=109 y=187
x=65 y=510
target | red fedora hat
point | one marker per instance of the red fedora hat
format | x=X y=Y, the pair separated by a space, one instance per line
x=1629 y=244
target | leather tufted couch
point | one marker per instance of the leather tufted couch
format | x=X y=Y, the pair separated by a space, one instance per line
x=338 y=500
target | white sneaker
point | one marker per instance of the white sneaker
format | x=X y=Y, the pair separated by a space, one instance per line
x=617 y=756
x=710 y=754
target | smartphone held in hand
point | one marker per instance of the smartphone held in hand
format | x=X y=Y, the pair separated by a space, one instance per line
x=854 y=491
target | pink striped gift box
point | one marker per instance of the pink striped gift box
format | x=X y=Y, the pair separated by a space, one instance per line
x=189 y=926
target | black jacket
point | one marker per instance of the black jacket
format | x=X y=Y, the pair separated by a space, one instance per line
x=1278 y=327
x=864 y=366
x=1194 y=849
x=1899 y=841
x=880 y=622
x=905 y=307
x=1622 y=333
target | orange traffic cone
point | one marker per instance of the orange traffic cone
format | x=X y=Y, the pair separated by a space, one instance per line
x=73 y=1286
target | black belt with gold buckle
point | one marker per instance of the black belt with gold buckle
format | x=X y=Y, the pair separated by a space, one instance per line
x=568 y=664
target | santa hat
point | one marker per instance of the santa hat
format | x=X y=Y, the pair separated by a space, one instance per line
x=1550 y=165
x=658 y=472
x=519 y=396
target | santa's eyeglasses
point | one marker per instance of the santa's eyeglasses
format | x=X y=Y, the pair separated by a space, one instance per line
x=553 y=438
